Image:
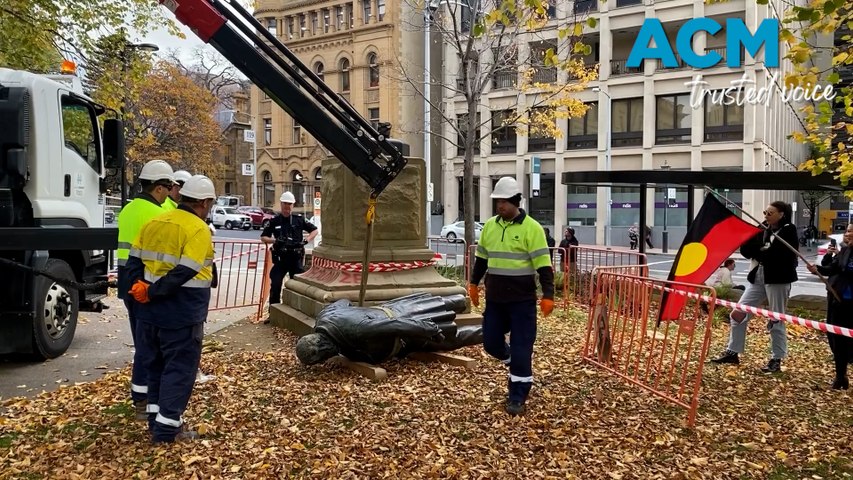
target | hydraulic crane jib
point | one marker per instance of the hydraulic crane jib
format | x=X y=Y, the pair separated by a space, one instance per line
x=270 y=65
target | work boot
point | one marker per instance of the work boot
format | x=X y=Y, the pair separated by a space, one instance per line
x=185 y=435
x=773 y=366
x=840 y=383
x=514 y=408
x=727 y=357
x=140 y=408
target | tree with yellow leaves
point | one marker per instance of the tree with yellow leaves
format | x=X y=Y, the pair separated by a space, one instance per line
x=821 y=51
x=499 y=44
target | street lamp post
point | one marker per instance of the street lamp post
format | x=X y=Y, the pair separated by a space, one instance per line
x=607 y=166
x=125 y=63
x=428 y=12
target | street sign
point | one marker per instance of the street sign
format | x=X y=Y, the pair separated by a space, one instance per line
x=317 y=201
x=248 y=169
x=249 y=136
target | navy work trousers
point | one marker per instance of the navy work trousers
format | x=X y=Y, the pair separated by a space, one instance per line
x=138 y=375
x=171 y=358
x=290 y=264
x=519 y=320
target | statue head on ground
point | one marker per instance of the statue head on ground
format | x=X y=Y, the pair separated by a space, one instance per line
x=315 y=348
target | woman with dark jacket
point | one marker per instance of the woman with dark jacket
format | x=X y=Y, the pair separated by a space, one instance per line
x=770 y=279
x=839 y=268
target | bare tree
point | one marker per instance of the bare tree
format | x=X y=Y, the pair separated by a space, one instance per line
x=211 y=71
x=486 y=46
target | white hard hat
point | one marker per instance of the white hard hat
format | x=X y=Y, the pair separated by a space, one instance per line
x=287 y=197
x=198 y=187
x=157 y=170
x=507 y=187
x=182 y=176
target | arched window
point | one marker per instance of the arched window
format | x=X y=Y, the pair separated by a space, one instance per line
x=297 y=187
x=318 y=174
x=344 y=75
x=318 y=69
x=372 y=70
x=268 y=190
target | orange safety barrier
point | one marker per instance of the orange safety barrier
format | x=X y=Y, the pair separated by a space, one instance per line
x=243 y=269
x=584 y=260
x=623 y=336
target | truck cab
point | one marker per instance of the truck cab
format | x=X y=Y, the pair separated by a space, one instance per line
x=53 y=157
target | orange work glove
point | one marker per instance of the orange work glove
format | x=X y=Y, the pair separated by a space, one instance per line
x=139 y=291
x=547 y=306
x=474 y=293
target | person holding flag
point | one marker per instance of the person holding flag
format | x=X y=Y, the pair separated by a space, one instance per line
x=769 y=280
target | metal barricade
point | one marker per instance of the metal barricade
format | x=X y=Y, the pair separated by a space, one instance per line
x=560 y=264
x=624 y=337
x=584 y=260
x=243 y=273
x=451 y=260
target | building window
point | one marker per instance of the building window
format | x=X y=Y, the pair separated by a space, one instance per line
x=723 y=122
x=351 y=14
x=271 y=26
x=367 y=13
x=542 y=73
x=267 y=131
x=541 y=206
x=580 y=205
x=315 y=23
x=297 y=187
x=269 y=189
x=503 y=132
x=585 y=6
x=506 y=68
x=373 y=116
x=344 y=75
x=372 y=71
x=380 y=9
x=339 y=15
x=302 y=27
x=672 y=119
x=318 y=70
x=462 y=125
x=326 y=21
x=625 y=206
x=583 y=131
x=627 y=122
x=539 y=141
x=289 y=22
x=296 y=137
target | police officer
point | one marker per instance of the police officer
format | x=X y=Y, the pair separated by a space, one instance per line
x=156 y=179
x=512 y=249
x=284 y=232
x=171 y=203
x=171 y=267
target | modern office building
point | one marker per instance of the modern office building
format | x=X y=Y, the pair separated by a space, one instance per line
x=649 y=115
x=357 y=47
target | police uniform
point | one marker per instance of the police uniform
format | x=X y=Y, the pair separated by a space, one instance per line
x=288 y=251
x=174 y=254
x=132 y=218
x=513 y=252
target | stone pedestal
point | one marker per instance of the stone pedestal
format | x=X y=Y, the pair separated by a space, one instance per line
x=402 y=262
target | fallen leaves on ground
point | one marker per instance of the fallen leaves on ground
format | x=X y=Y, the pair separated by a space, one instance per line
x=266 y=416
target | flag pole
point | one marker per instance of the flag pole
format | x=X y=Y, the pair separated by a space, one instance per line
x=778 y=238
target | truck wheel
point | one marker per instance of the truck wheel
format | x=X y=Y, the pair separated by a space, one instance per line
x=228 y=225
x=56 y=310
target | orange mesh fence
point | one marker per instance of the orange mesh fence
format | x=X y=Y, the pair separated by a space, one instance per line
x=583 y=261
x=623 y=336
x=243 y=268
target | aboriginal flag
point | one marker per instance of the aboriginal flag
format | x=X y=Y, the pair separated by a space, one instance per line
x=712 y=237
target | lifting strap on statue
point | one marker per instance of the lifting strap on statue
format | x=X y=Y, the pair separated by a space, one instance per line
x=369 y=218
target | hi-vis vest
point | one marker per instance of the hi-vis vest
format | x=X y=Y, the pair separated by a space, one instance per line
x=513 y=249
x=169 y=205
x=130 y=221
x=176 y=238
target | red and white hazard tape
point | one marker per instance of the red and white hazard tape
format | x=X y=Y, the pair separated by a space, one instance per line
x=240 y=254
x=356 y=267
x=814 y=324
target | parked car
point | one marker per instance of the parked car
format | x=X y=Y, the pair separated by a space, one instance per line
x=824 y=245
x=454 y=231
x=229 y=218
x=259 y=217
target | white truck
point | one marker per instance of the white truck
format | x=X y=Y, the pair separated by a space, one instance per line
x=54 y=248
x=230 y=218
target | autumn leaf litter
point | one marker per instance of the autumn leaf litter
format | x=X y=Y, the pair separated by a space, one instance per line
x=266 y=416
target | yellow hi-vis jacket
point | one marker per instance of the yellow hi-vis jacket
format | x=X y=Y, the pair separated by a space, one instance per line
x=130 y=221
x=174 y=253
x=510 y=253
x=169 y=205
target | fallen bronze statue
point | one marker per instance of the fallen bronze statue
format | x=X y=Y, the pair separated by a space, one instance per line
x=415 y=323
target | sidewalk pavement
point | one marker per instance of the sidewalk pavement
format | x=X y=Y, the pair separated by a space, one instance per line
x=103 y=343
